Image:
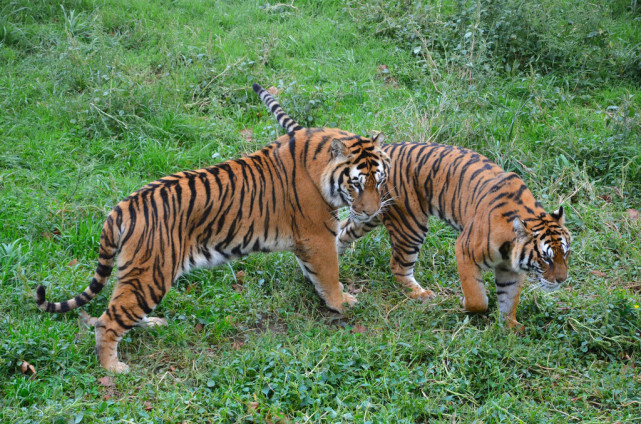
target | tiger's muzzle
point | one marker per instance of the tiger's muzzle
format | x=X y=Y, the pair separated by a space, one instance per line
x=368 y=203
x=555 y=275
x=549 y=286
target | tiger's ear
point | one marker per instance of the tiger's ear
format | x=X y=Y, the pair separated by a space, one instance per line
x=559 y=216
x=338 y=150
x=379 y=139
x=519 y=229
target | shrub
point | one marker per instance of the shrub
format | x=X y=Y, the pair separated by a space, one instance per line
x=506 y=36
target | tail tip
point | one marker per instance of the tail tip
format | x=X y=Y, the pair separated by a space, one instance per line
x=257 y=88
x=40 y=295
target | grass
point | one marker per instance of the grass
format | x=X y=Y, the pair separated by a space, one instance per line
x=98 y=98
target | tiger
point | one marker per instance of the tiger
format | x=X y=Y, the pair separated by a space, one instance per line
x=502 y=226
x=284 y=197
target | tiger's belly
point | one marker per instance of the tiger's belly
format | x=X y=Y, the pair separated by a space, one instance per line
x=213 y=256
x=207 y=258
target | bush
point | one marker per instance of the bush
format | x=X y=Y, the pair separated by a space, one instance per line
x=506 y=36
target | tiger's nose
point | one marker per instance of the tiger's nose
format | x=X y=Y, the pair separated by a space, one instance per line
x=370 y=212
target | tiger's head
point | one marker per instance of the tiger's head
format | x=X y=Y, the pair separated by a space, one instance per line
x=356 y=174
x=543 y=248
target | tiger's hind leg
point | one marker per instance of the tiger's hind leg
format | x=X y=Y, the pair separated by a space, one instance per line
x=406 y=246
x=508 y=291
x=134 y=297
x=107 y=338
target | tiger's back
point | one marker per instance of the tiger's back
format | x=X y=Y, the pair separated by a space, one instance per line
x=450 y=180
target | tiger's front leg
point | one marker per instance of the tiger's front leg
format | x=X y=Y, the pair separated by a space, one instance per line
x=508 y=290
x=406 y=246
x=474 y=293
x=350 y=231
x=319 y=262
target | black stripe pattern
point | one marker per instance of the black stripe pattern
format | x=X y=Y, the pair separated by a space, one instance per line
x=283 y=197
x=484 y=203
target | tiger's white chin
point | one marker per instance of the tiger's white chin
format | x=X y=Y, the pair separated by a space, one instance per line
x=548 y=286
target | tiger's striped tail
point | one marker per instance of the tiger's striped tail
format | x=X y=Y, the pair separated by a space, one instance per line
x=109 y=246
x=283 y=119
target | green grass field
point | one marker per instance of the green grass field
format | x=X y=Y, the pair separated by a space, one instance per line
x=98 y=98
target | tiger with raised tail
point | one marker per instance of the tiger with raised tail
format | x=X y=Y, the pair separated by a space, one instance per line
x=502 y=226
x=283 y=197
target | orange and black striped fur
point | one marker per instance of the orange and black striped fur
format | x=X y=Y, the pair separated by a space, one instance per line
x=502 y=225
x=283 y=197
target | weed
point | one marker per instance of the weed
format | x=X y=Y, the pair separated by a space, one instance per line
x=98 y=99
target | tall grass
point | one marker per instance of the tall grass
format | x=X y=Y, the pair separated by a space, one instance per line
x=98 y=98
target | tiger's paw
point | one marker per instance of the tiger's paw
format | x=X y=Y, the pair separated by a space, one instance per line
x=513 y=325
x=152 y=322
x=342 y=247
x=88 y=319
x=477 y=305
x=118 y=368
x=349 y=299
x=422 y=295
x=346 y=301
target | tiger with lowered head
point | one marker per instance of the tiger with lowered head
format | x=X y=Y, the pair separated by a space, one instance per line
x=502 y=226
x=283 y=197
